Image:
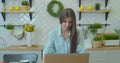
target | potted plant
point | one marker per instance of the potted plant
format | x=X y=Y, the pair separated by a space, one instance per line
x=97 y=41
x=93 y=27
x=9 y=26
x=25 y=5
x=97 y=6
x=29 y=28
x=111 y=39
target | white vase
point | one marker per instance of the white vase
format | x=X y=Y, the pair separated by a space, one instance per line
x=29 y=39
x=87 y=43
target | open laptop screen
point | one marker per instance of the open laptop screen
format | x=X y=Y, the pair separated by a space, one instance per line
x=67 y=58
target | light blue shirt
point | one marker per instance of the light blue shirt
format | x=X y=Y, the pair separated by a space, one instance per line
x=58 y=45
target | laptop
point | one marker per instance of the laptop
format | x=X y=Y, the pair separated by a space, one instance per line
x=67 y=58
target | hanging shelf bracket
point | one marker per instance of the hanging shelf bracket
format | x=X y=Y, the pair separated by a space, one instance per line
x=30 y=14
x=79 y=15
x=106 y=2
x=79 y=12
x=3 y=1
x=30 y=3
x=79 y=3
x=3 y=15
x=106 y=15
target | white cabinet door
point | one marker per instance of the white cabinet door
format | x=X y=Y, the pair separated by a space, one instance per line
x=113 y=56
x=97 y=56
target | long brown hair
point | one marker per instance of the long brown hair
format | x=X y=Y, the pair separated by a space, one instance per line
x=68 y=12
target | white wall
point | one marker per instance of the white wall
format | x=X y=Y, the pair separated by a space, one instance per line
x=45 y=23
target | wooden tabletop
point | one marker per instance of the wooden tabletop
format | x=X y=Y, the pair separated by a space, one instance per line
x=38 y=47
x=23 y=47
x=106 y=48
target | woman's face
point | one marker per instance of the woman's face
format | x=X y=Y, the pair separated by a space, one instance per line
x=66 y=24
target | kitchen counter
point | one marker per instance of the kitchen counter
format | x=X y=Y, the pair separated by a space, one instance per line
x=108 y=54
x=106 y=48
x=23 y=47
x=38 y=47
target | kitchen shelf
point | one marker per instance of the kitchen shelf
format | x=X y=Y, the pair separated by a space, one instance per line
x=13 y=25
x=105 y=11
x=95 y=11
x=18 y=11
x=30 y=1
x=24 y=48
x=4 y=13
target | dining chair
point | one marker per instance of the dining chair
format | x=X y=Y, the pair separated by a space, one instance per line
x=32 y=58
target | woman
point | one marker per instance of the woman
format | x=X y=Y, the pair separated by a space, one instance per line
x=65 y=39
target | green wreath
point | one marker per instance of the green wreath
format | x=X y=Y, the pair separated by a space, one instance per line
x=51 y=10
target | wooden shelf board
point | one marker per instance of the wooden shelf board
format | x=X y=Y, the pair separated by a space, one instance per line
x=24 y=47
x=106 y=48
x=17 y=11
x=96 y=11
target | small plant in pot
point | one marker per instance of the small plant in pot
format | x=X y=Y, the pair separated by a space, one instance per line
x=111 y=36
x=25 y=5
x=97 y=6
x=9 y=26
x=93 y=27
x=97 y=41
x=111 y=39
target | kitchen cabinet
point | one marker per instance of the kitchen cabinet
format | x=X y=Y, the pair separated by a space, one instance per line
x=104 y=55
x=22 y=50
x=106 y=11
x=97 y=56
x=113 y=56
